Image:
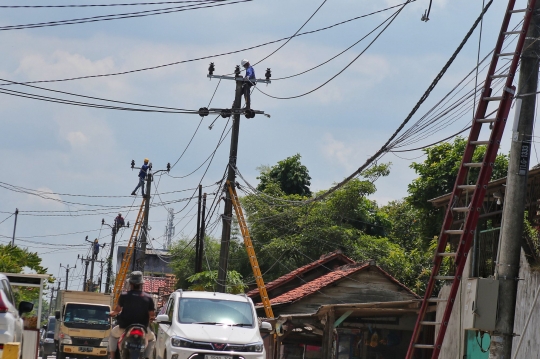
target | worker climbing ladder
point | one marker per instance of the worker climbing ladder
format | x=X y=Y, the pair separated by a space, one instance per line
x=471 y=210
x=250 y=251
x=126 y=261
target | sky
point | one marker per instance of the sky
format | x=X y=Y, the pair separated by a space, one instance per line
x=67 y=150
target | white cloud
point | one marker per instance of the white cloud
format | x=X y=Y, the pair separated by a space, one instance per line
x=335 y=150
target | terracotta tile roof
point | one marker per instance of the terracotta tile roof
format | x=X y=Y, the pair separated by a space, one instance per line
x=290 y=276
x=327 y=279
x=318 y=283
x=152 y=284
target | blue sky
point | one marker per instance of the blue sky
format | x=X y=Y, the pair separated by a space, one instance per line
x=75 y=150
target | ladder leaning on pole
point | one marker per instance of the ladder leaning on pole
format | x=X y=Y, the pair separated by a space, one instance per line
x=472 y=209
x=126 y=261
x=250 y=251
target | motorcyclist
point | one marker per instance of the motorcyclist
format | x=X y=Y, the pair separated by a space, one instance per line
x=134 y=307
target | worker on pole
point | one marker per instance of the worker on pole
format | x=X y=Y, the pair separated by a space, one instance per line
x=142 y=176
x=249 y=81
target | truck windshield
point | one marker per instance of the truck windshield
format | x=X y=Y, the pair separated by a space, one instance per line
x=215 y=312
x=87 y=316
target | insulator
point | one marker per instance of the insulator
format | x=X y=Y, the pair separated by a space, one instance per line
x=226 y=113
x=237 y=70
x=249 y=113
x=211 y=69
x=102 y=221
x=168 y=167
x=203 y=111
x=132 y=164
x=268 y=74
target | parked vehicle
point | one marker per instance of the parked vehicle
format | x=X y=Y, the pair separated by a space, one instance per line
x=132 y=343
x=83 y=324
x=46 y=343
x=209 y=325
x=11 y=323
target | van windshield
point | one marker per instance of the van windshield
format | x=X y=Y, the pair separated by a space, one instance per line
x=87 y=316
x=215 y=312
x=51 y=325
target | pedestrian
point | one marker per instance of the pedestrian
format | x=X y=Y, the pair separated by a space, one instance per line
x=119 y=220
x=249 y=81
x=142 y=176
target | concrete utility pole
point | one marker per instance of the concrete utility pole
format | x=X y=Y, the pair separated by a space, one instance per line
x=198 y=235
x=85 y=285
x=231 y=176
x=110 y=260
x=140 y=258
x=200 y=249
x=516 y=190
x=14 y=227
x=68 y=268
x=51 y=299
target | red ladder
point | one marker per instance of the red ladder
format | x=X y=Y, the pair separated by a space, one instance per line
x=472 y=210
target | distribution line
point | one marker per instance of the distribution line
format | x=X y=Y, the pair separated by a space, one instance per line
x=99 y=5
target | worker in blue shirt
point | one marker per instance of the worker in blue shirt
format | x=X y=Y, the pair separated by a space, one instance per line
x=142 y=176
x=246 y=87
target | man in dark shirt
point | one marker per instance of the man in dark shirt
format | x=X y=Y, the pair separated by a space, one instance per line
x=119 y=220
x=134 y=307
x=142 y=176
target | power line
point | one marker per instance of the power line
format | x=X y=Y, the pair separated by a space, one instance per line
x=98 y=5
x=393 y=17
x=120 y=16
x=211 y=56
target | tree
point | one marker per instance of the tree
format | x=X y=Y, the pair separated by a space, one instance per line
x=437 y=175
x=290 y=174
x=206 y=281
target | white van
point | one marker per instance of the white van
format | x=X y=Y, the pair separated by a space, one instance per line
x=209 y=325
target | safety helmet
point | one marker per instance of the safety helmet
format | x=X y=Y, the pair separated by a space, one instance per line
x=146 y=160
x=244 y=61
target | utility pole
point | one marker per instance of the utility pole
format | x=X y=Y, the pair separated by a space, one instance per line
x=138 y=260
x=114 y=228
x=199 y=259
x=86 y=261
x=15 y=227
x=231 y=177
x=236 y=111
x=198 y=235
x=95 y=252
x=51 y=299
x=516 y=191
x=68 y=268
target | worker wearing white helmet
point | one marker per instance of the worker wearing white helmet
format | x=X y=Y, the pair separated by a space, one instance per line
x=246 y=87
x=142 y=176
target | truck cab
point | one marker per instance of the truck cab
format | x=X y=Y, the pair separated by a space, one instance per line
x=83 y=325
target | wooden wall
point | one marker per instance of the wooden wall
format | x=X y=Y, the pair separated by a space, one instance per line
x=368 y=285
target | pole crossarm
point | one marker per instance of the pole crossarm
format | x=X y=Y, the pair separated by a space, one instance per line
x=250 y=251
x=242 y=79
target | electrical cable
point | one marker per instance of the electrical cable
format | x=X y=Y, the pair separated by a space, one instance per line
x=98 y=5
x=393 y=17
x=209 y=56
x=8 y=217
x=121 y=16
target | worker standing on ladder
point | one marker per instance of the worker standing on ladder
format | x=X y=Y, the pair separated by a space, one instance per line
x=246 y=87
x=142 y=176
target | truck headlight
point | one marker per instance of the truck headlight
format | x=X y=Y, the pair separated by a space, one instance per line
x=65 y=339
x=254 y=347
x=104 y=343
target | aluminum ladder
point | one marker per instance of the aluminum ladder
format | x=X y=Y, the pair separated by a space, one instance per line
x=250 y=251
x=126 y=261
x=472 y=210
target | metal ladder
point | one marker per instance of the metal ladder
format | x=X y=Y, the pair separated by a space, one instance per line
x=250 y=251
x=472 y=210
x=126 y=261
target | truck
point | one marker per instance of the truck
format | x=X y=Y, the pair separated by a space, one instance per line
x=83 y=324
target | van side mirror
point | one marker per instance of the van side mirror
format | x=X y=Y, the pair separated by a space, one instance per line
x=57 y=314
x=25 y=307
x=265 y=326
x=163 y=319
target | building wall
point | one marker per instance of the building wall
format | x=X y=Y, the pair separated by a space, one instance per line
x=455 y=340
x=364 y=287
x=153 y=264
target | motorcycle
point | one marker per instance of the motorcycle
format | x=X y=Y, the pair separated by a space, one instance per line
x=132 y=344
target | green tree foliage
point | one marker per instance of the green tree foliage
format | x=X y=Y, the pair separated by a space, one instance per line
x=290 y=175
x=183 y=259
x=437 y=175
x=206 y=281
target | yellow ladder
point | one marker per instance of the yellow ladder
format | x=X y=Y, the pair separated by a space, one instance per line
x=250 y=251
x=126 y=261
